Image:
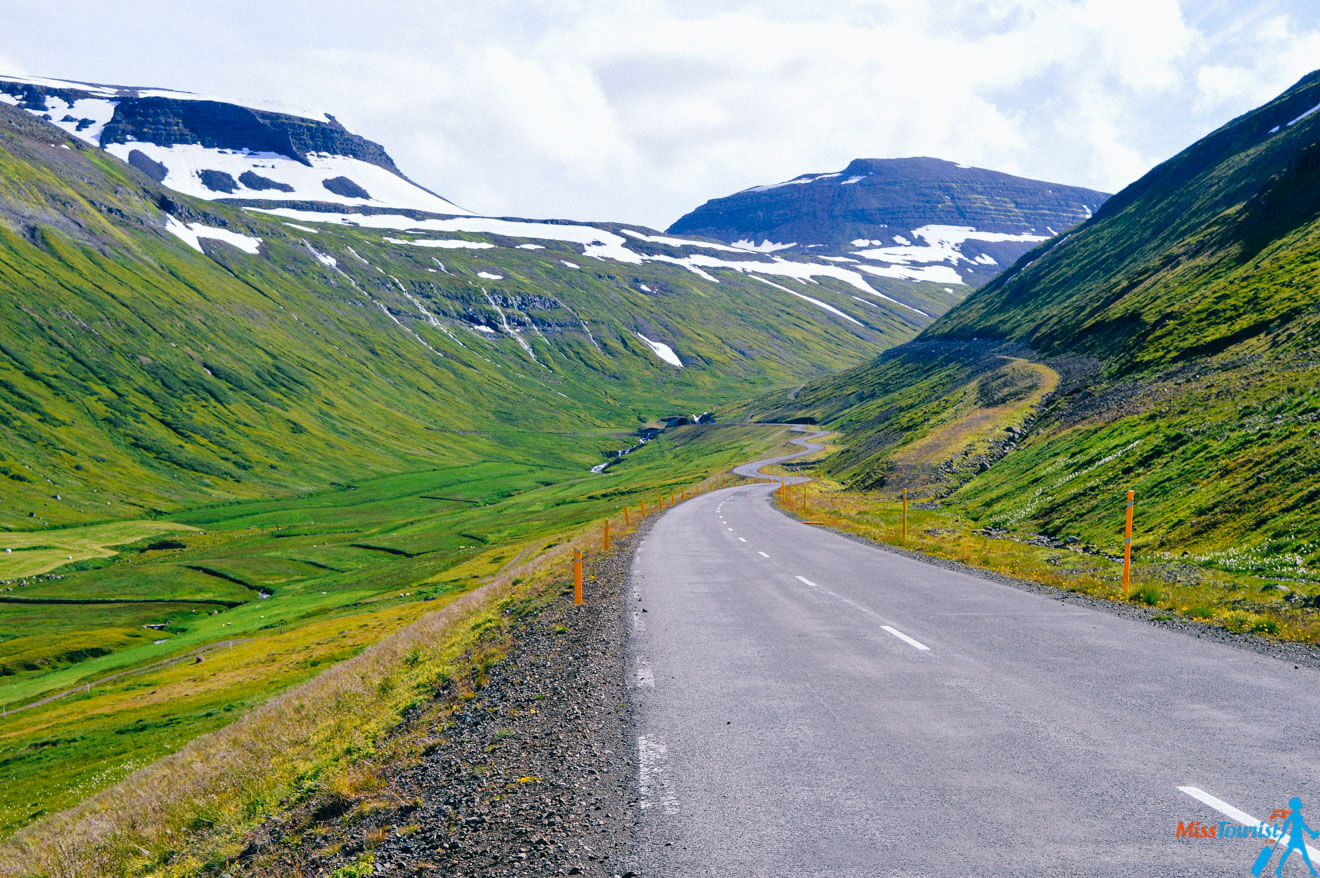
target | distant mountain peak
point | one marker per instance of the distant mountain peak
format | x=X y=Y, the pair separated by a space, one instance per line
x=917 y=218
x=213 y=149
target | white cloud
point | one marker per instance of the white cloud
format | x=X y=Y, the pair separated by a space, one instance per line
x=639 y=110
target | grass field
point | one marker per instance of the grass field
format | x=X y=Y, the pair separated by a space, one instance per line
x=295 y=586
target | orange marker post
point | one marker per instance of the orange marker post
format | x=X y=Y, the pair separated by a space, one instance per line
x=643 y=509
x=1127 y=546
x=577 y=576
x=607 y=535
x=627 y=520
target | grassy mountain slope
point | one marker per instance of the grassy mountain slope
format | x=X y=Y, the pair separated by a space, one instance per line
x=138 y=375
x=311 y=433
x=1207 y=251
x=1179 y=327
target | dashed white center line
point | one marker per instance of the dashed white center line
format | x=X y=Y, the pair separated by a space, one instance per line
x=742 y=539
x=730 y=530
x=762 y=554
x=908 y=640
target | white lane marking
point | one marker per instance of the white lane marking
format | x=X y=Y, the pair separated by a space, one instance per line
x=730 y=530
x=903 y=637
x=870 y=612
x=645 y=677
x=742 y=539
x=1229 y=811
x=652 y=755
x=762 y=554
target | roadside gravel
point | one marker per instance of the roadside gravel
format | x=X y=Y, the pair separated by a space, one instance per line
x=533 y=776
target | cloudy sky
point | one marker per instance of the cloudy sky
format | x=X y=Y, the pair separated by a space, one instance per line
x=639 y=110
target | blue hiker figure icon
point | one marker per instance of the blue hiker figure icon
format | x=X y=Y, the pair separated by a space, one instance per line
x=1293 y=828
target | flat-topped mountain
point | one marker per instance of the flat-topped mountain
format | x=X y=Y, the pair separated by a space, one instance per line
x=917 y=218
x=216 y=149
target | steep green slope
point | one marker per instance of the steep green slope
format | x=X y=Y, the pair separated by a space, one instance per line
x=137 y=374
x=1180 y=327
x=1210 y=249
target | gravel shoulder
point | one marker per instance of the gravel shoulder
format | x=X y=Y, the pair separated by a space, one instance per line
x=534 y=775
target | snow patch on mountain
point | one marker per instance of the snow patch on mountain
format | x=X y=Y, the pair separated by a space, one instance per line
x=84 y=118
x=941 y=244
x=662 y=350
x=1304 y=115
x=817 y=302
x=680 y=242
x=444 y=243
x=192 y=233
x=934 y=274
x=766 y=246
x=186 y=166
x=606 y=245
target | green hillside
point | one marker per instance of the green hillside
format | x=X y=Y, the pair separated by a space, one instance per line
x=226 y=467
x=1213 y=248
x=1167 y=346
x=137 y=374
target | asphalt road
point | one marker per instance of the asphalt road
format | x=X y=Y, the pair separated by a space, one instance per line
x=808 y=705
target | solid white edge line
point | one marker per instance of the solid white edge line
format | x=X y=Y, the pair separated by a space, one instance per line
x=1229 y=811
x=903 y=637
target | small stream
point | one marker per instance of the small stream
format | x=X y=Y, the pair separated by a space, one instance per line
x=646 y=434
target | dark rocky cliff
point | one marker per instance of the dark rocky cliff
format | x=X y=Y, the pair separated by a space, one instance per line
x=875 y=199
x=215 y=124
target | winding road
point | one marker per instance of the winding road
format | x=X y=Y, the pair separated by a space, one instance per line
x=810 y=705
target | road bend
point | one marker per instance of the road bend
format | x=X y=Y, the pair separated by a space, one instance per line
x=809 y=705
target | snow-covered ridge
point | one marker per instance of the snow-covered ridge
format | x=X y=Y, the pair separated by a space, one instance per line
x=119 y=92
x=83 y=110
x=607 y=245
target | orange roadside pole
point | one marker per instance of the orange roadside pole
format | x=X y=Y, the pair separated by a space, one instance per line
x=643 y=509
x=577 y=576
x=607 y=535
x=1127 y=545
x=627 y=520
